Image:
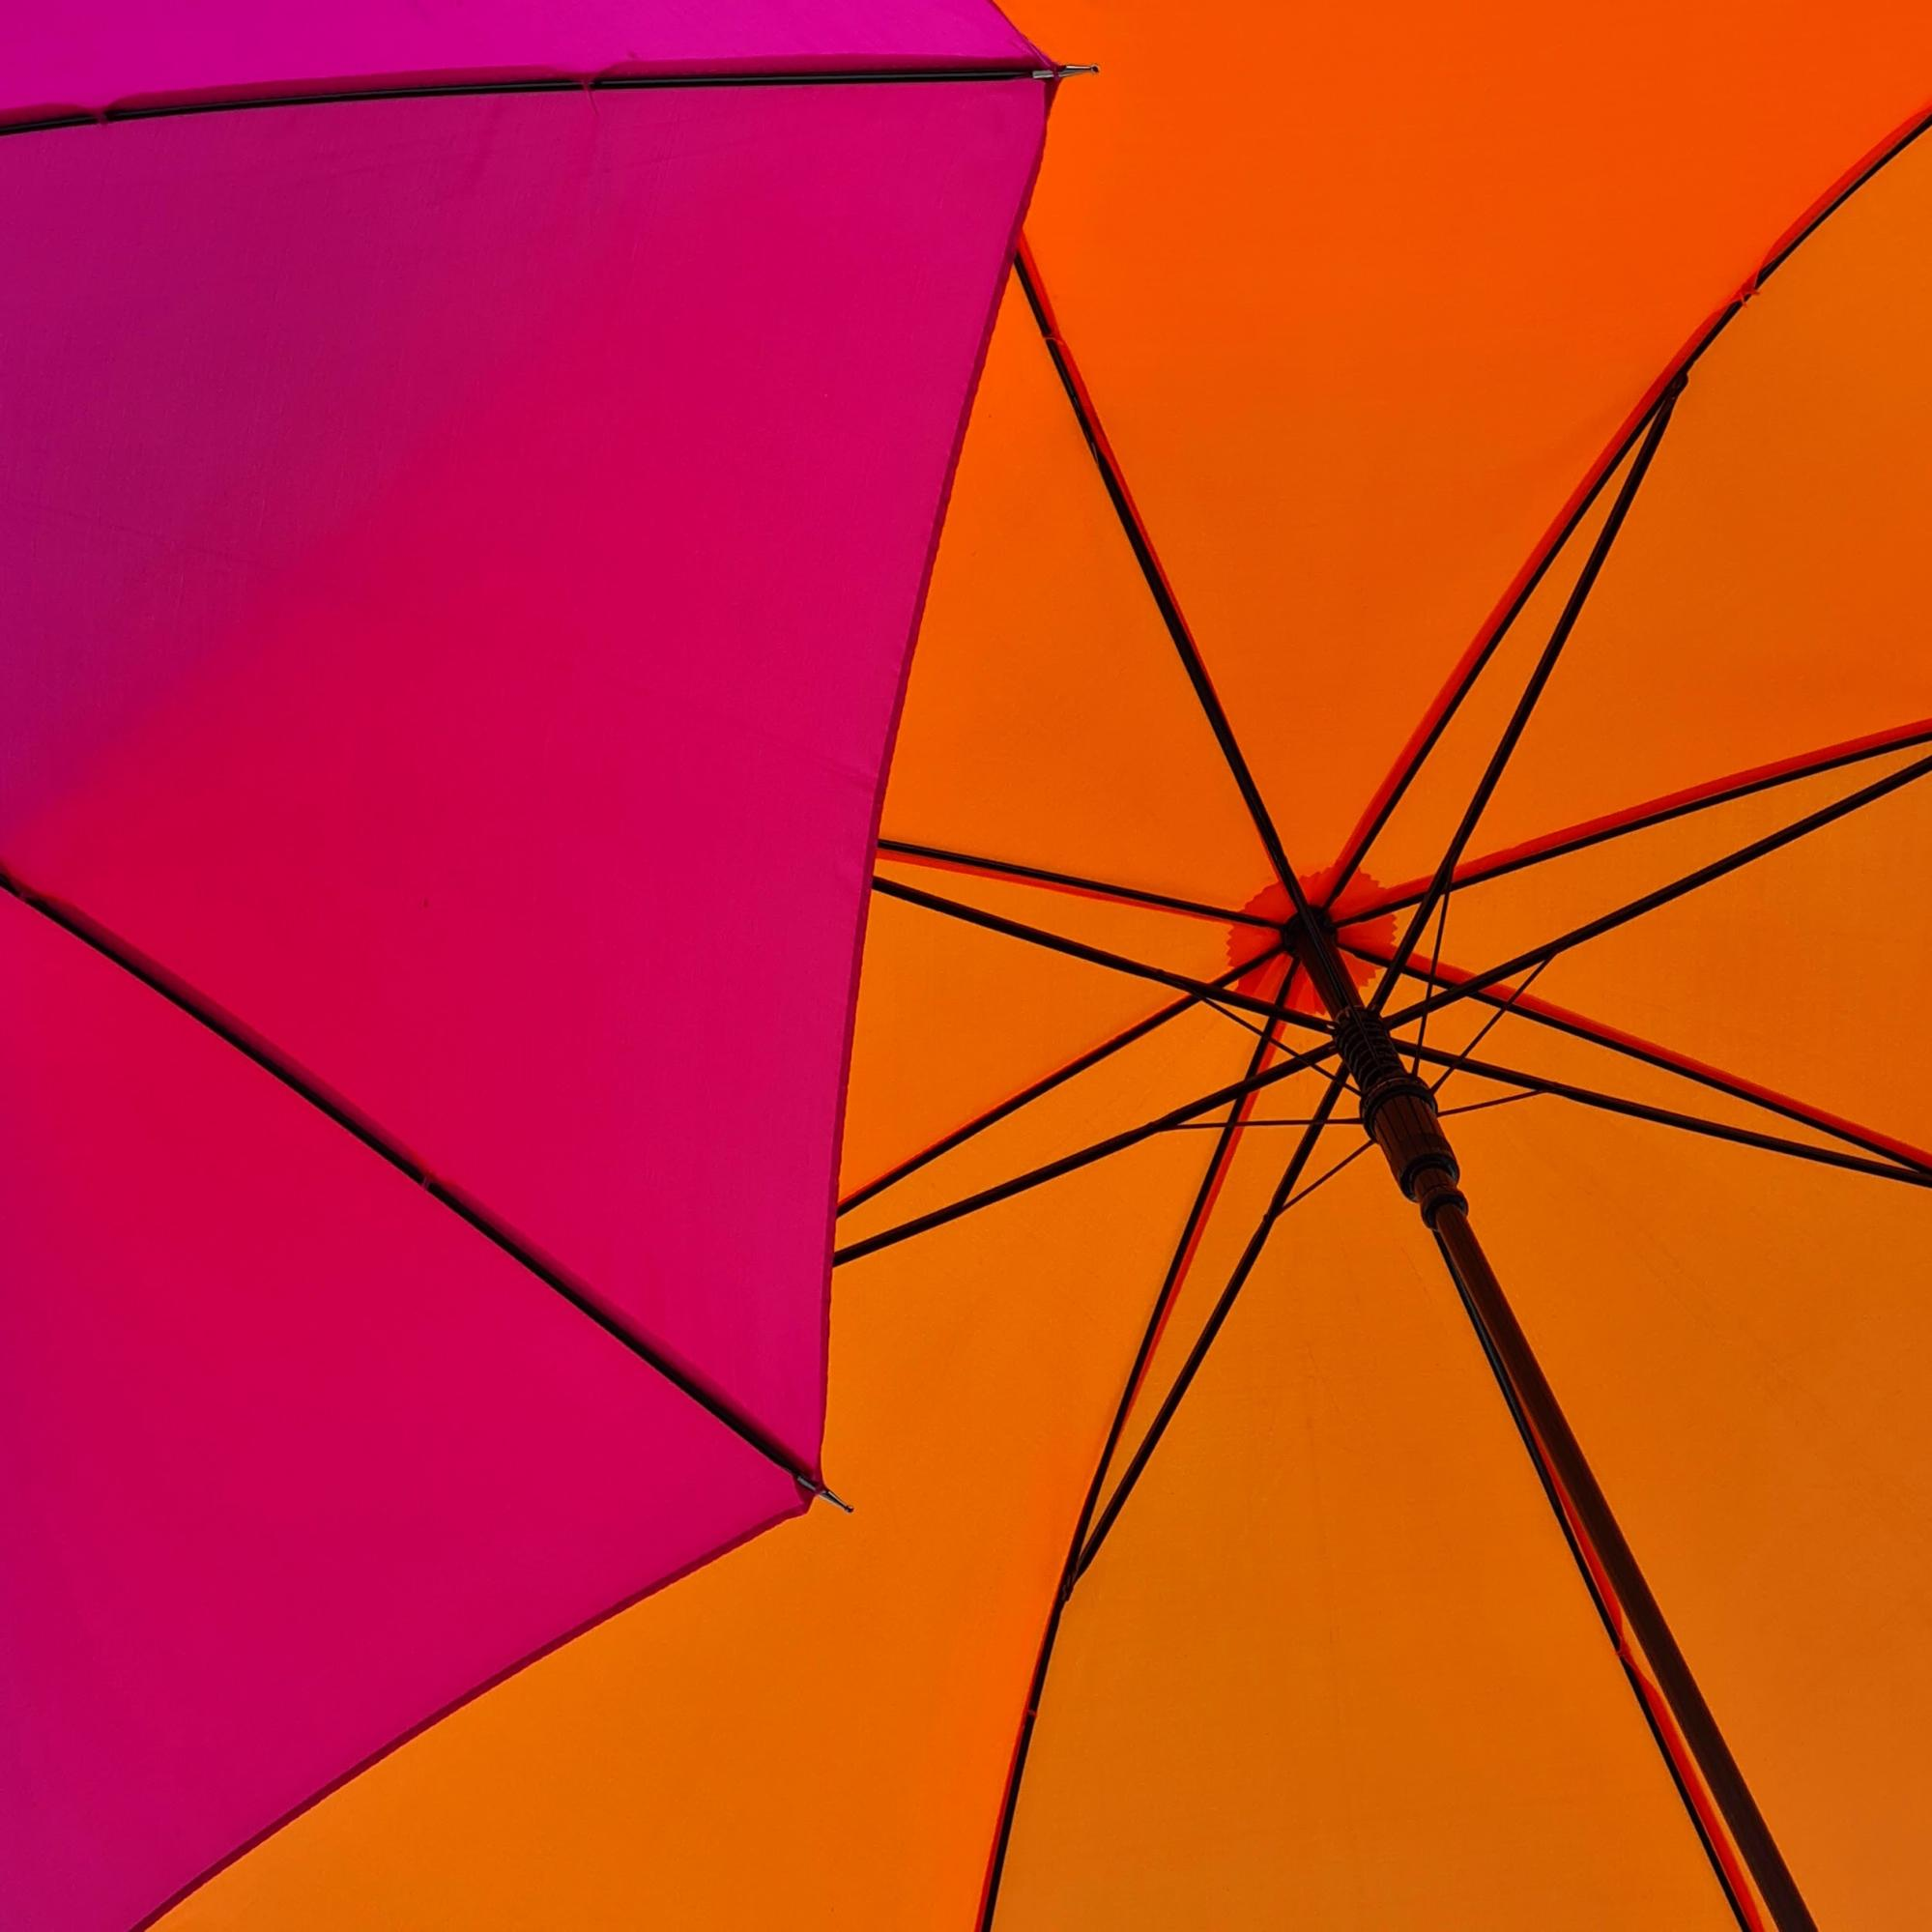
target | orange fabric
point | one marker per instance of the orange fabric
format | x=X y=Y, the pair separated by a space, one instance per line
x=1362 y=294
x=1746 y=1363
x=1333 y=1667
x=1766 y=589
x=1048 y=718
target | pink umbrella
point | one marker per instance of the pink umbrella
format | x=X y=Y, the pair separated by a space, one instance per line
x=463 y=521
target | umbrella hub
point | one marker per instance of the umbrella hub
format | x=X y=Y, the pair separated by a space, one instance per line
x=1397 y=1108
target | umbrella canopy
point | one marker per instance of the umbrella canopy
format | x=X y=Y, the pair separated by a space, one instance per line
x=464 y=530
x=1439 y=513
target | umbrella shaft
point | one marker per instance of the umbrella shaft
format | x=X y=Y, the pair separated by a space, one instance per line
x=1617 y=1577
x=1399 y=1114
x=1397 y=1108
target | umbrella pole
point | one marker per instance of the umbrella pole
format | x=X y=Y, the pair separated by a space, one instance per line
x=1400 y=1115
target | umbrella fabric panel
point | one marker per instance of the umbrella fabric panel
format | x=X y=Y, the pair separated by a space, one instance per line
x=462 y=561
x=1740 y=1339
x=1777 y=974
x=994 y=1015
x=1049 y=718
x=96 y=57
x=1764 y=599
x=1774 y=1054
x=1364 y=295
x=1371 y=1692
x=296 y=1459
x=1244 y=1180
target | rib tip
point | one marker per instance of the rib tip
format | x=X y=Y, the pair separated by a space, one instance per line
x=818 y=1493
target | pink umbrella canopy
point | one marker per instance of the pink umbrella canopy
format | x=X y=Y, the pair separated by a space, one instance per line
x=465 y=520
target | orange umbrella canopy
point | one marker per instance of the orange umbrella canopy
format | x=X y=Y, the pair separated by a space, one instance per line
x=1438 y=360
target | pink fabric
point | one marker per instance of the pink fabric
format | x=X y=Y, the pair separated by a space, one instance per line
x=88 y=58
x=292 y=1457
x=459 y=558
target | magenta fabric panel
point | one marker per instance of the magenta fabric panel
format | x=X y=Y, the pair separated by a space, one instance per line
x=292 y=1458
x=459 y=560
x=58 y=55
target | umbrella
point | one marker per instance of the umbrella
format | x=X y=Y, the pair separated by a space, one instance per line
x=1421 y=696
x=471 y=477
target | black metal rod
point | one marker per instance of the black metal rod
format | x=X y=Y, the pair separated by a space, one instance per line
x=325 y=96
x=1445 y=711
x=1502 y=1010
x=1212 y=1174
x=1554 y=1444
x=1501 y=865
x=1576 y=1028
x=1079 y=949
x=1352 y=1119
x=1189 y=1368
x=1690 y=1123
x=1650 y=902
x=1007 y=1107
x=1546 y=665
x=1905 y=137
x=1358 y=848
x=1081 y=1157
x=1154 y=577
x=1434 y=964
x=1099 y=888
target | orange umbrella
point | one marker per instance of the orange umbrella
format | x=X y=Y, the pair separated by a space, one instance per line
x=1425 y=652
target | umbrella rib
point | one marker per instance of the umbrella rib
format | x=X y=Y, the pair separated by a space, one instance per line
x=1247 y=1024
x=1443 y=712
x=1483 y=1105
x=600 y=83
x=278 y=1066
x=1665 y=895
x=1347 y=1119
x=1546 y=665
x=1046 y=1085
x=1277 y=1204
x=1079 y=949
x=1803 y=231
x=1081 y=1157
x=1661 y=811
x=1504 y=1007
x=1647 y=1052
x=1213 y=1174
x=1096 y=888
x=1435 y=721
x=1141 y=544
x=1434 y=963
x=1664 y=1116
